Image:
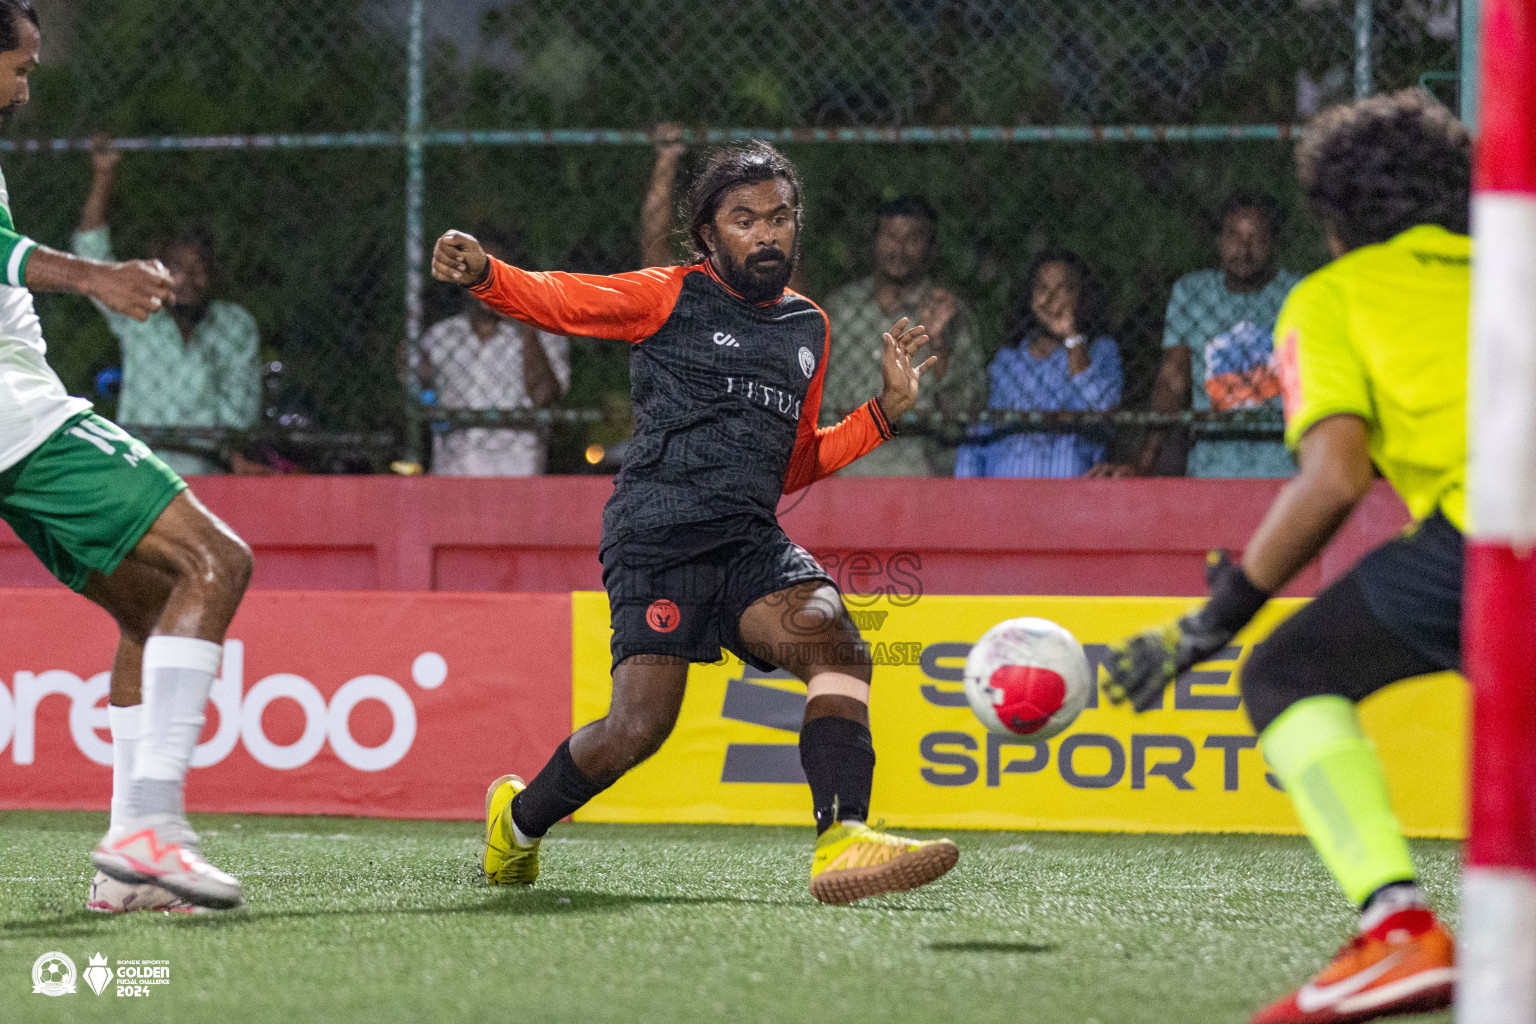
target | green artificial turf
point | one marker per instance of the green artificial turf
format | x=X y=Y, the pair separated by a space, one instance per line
x=386 y=921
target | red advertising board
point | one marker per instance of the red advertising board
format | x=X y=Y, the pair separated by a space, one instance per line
x=383 y=704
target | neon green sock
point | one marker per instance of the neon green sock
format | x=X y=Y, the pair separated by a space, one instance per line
x=1334 y=779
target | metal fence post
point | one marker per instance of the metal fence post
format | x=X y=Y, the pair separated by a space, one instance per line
x=415 y=255
x=1364 y=29
x=1471 y=29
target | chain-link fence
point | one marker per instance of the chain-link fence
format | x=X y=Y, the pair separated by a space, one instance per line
x=308 y=153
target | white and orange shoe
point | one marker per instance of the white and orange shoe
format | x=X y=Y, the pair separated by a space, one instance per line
x=109 y=896
x=164 y=855
x=1405 y=964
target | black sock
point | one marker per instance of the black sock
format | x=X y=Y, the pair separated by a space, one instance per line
x=839 y=763
x=556 y=792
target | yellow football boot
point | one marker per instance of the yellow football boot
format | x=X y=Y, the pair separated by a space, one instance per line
x=505 y=862
x=855 y=861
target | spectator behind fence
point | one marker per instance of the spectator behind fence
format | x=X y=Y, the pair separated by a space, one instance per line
x=194 y=364
x=482 y=360
x=1050 y=364
x=1219 y=348
x=901 y=286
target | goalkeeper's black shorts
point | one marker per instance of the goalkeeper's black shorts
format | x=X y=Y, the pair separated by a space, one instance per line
x=1394 y=616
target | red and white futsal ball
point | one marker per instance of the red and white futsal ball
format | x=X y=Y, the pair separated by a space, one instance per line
x=1027 y=677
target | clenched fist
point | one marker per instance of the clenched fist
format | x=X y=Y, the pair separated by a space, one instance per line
x=138 y=288
x=458 y=259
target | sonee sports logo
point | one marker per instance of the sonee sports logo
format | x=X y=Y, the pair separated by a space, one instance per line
x=663 y=616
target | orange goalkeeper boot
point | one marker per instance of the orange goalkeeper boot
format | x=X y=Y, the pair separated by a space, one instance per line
x=1405 y=964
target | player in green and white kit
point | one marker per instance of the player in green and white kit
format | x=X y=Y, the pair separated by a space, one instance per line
x=116 y=525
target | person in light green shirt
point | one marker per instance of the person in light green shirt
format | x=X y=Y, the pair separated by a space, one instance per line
x=902 y=286
x=193 y=364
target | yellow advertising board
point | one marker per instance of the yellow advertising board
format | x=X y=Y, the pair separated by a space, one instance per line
x=1193 y=766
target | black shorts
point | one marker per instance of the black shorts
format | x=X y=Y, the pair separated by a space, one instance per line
x=1394 y=616
x=1413 y=585
x=681 y=590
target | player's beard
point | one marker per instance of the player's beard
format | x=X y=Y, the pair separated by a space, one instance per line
x=762 y=277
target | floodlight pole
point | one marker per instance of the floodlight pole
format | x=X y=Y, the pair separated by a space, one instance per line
x=415 y=253
x=1497 y=958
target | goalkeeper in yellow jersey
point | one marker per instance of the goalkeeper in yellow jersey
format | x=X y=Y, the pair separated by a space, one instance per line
x=1372 y=351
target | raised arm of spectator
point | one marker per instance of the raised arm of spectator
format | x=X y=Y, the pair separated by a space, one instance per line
x=103 y=168
x=122 y=291
x=626 y=307
x=656 y=212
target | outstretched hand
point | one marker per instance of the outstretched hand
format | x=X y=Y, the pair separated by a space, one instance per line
x=458 y=259
x=899 y=375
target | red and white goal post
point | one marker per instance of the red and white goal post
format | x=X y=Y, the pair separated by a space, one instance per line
x=1498 y=916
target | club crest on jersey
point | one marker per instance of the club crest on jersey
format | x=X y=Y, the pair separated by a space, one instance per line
x=807 y=362
x=663 y=616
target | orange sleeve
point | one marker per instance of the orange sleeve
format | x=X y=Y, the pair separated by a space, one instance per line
x=821 y=451
x=627 y=307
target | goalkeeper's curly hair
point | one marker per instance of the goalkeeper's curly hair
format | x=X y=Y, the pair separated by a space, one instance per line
x=1375 y=168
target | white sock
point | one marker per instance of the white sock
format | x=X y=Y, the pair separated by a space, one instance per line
x=518 y=837
x=178 y=673
x=1391 y=900
x=124 y=723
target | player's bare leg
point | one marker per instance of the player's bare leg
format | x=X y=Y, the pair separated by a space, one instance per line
x=805 y=630
x=173 y=598
x=647 y=695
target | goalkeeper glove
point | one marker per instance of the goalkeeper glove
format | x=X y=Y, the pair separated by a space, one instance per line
x=1140 y=668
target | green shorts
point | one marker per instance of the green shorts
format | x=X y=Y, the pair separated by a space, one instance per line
x=83 y=498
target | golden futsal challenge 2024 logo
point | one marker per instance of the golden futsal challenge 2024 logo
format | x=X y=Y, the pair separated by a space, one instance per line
x=53 y=974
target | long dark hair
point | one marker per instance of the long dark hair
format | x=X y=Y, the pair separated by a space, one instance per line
x=726 y=169
x=1092 y=302
x=11 y=13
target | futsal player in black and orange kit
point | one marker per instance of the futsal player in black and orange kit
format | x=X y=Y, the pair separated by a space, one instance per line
x=726 y=375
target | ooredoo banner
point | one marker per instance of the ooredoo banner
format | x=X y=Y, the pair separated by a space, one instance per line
x=386 y=704
x=1194 y=765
